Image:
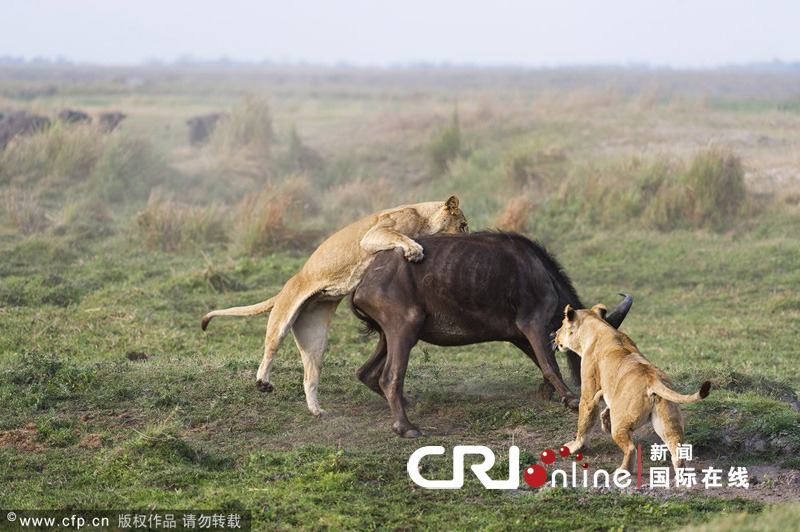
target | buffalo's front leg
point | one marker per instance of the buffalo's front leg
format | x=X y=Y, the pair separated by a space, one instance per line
x=393 y=377
x=546 y=360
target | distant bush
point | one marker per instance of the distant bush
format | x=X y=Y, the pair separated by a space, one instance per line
x=173 y=226
x=351 y=201
x=662 y=193
x=717 y=193
x=237 y=157
x=273 y=217
x=246 y=133
x=527 y=165
x=23 y=212
x=127 y=169
x=82 y=159
x=516 y=216
x=445 y=146
x=60 y=155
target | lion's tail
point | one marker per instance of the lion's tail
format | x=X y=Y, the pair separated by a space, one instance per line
x=661 y=390
x=250 y=310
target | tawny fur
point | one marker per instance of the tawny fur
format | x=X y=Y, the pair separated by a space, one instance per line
x=613 y=369
x=307 y=302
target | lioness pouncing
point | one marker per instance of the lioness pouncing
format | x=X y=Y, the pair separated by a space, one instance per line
x=612 y=368
x=308 y=300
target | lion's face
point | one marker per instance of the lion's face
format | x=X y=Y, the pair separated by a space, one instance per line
x=568 y=336
x=449 y=219
x=565 y=335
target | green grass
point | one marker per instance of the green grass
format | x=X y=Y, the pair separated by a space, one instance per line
x=93 y=276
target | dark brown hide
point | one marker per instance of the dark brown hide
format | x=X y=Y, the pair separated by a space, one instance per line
x=475 y=288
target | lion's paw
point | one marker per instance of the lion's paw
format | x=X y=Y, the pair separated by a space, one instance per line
x=414 y=253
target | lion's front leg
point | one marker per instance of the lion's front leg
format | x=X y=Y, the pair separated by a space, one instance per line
x=380 y=238
x=587 y=417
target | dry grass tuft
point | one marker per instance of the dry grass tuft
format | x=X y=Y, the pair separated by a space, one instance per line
x=173 y=226
x=272 y=218
x=23 y=211
x=516 y=216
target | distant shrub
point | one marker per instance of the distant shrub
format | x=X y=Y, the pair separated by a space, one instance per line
x=248 y=128
x=351 y=201
x=662 y=193
x=526 y=165
x=173 y=226
x=516 y=216
x=272 y=218
x=237 y=157
x=715 y=182
x=127 y=169
x=445 y=146
x=304 y=159
x=23 y=212
x=61 y=154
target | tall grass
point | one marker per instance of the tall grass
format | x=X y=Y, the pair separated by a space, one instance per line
x=127 y=169
x=662 y=193
x=244 y=138
x=169 y=225
x=58 y=156
x=82 y=159
x=274 y=217
x=445 y=146
x=23 y=212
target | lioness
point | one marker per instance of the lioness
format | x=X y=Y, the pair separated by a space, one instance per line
x=612 y=368
x=308 y=300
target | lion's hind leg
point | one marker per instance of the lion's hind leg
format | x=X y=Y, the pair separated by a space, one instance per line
x=310 y=332
x=287 y=307
x=668 y=424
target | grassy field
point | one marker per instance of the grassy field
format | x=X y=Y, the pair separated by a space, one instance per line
x=680 y=188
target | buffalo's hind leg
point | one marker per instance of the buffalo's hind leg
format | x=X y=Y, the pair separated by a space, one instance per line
x=392 y=379
x=370 y=372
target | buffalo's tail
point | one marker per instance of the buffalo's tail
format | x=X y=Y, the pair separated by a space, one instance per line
x=369 y=326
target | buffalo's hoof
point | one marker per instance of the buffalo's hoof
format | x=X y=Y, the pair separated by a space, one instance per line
x=570 y=402
x=265 y=386
x=406 y=431
x=546 y=391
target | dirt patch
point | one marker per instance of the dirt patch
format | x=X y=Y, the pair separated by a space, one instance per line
x=22 y=439
x=91 y=441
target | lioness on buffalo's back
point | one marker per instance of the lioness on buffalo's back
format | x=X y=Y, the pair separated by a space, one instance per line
x=308 y=300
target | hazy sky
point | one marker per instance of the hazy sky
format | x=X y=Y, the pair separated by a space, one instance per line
x=678 y=33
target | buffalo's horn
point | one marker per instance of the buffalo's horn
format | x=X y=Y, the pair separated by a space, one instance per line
x=617 y=315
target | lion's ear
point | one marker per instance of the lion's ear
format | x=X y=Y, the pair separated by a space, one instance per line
x=600 y=310
x=569 y=312
x=452 y=204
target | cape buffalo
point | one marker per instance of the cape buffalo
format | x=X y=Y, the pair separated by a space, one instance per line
x=20 y=123
x=201 y=127
x=474 y=288
x=71 y=116
x=109 y=121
